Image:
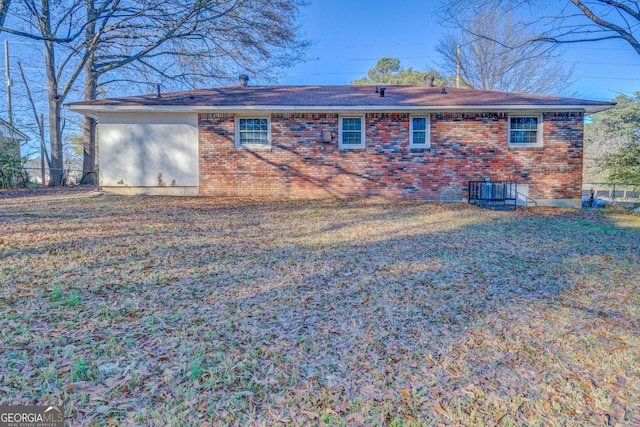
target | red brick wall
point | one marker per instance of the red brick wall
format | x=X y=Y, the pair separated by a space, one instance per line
x=464 y=147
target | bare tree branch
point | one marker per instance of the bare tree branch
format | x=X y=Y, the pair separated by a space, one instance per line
x=496 y=54
x=186 y=41
x=592 y=20
x=39 y=122
x=4 y=10
x=626 y=35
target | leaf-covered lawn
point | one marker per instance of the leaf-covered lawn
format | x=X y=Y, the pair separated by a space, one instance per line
x=198 y=311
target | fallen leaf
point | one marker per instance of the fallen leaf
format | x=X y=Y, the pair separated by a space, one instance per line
x=310 y=414
x=438 y=408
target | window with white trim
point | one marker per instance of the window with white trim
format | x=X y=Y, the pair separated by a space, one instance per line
x=253 y=132
x=419 y=130
x=525 y=131
x=351 y=132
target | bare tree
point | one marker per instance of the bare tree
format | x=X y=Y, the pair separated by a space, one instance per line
x=4 y=9
x=186 y=42
x=189 y=44
x=59 y=25
x=44 y=155
x=489 y=62
x=47 y=20
x=568 y=21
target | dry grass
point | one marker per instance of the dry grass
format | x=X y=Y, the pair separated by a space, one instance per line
x=195 y=311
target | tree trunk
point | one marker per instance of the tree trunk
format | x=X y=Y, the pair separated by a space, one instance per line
x=56 y=172
x=89 y=175
x=56 y=168
x=43 y=148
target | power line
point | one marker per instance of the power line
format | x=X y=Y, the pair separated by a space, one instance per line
x=607 y=63
x=25 y=68
x=375 y=59
x=22 y=42
x=361 y=73
x=354 y=46
x=377 y=45
x=327 y=59
x=361 y=46
x=600 y=48
x=609 y=78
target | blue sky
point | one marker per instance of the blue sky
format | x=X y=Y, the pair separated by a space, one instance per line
x=351 y=35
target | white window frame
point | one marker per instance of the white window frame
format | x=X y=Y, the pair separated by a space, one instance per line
x=539 y=128
x=427 y=131
x=252 y=146
x=362 y=132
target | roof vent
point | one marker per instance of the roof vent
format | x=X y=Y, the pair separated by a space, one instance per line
x=244 y=80
x=444 y=90
x=382 y=89
x=428 y=80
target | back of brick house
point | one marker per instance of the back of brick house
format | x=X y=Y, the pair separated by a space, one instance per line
x=413 y=143
x=464 y=147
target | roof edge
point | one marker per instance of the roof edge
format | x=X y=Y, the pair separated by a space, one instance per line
x=12 y=129
x=94 y=110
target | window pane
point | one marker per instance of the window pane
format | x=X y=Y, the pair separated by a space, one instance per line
x=419 y=138
x=419 y=123
x=524 y=123
x=254 y=131
x=254 y=137
x=524 y=130
x=351 y=123
x=351 y=138
x=524 y=137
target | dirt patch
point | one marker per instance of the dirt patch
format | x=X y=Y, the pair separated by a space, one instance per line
x=10 y=193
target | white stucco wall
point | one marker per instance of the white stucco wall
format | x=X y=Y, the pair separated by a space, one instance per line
x=135 y=147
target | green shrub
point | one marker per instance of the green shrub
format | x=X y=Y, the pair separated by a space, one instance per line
x=11 y=170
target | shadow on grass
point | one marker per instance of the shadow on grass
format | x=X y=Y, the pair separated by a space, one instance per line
x=321 y=303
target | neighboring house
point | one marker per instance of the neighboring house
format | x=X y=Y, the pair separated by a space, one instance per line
x=10 y=139
x=402 y=142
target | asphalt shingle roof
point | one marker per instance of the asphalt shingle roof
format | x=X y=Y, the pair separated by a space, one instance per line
x=335 y=97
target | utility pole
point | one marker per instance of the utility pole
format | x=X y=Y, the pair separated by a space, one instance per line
x=8 y=78
x=458 y=66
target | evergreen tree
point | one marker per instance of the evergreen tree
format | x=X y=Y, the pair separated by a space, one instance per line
x=612 y=142
x=388 y=71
